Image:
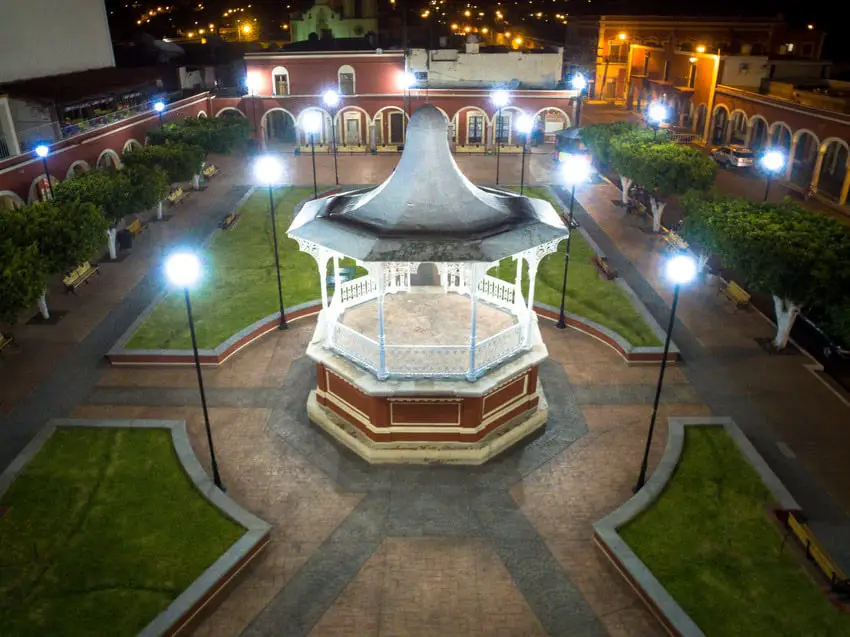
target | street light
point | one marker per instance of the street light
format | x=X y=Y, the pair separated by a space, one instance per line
x=42 y=150
x=331 y=100
x=312 y=123
x=407 y=81
x=159 y=107
x=771 y=162
x=576 y=170
x=524 y=125
x=680 y=269
x=578 y=83
x=500 y=99
x=183 y=269
x=268 y=170
x=657 y=114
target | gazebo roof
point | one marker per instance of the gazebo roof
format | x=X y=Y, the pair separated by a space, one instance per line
x=427 y=210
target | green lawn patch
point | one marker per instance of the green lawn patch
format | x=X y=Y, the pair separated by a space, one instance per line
x=588 y=294
x=709 y=543
x=104 y=530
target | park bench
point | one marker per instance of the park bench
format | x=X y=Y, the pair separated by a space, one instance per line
x=136 y=227
x=176 y=196
x=229 y=221
x=79 y=275
x=675 y=241
x=735 y=293
x=211 y=171
x=604 y=267
x=5 y=341
x=838 y=581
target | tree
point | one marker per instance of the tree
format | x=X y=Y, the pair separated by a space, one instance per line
x=149 y=187
x=22 y=272
x=797 y=257
x=663 y=169
x=599 y=138
x=110 y=190
x=213 y=135
x=66 y=234
x=179 y=161
x=700 y=212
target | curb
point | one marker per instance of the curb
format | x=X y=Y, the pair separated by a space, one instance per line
x=184 y=610
x=668 y=612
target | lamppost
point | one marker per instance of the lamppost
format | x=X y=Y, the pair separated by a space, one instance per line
x=579 y=84
x=312 y=123
x=771 y=162
x=331 y=100
x=576 y=170
x=268 y=170
x=524 y=125
x=500 y=99
x=657 y=115
x=183 y=270
x=42 y=150
x=680 y=269
x=159 y=107
x=408 y=81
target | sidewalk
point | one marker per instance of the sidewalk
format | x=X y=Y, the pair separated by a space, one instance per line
x=798 y=422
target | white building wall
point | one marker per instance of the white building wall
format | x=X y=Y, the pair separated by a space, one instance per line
x=50 y=37
x=451 y=68
x=745 y=71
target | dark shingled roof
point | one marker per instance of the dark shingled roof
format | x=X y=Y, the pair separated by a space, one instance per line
x=427 y=210
x=74 y=87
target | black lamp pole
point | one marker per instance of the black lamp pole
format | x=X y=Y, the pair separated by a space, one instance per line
x=282 y=324
x=313 y=152
x=562 y=320
x=642 y=477
x=522 y=170
x=216 y=476
x=161 y=125
x=767 y=185
x=498 y=143
x=47 y=174
x=333 y=138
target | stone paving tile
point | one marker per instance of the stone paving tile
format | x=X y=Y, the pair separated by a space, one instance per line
x=431 y=586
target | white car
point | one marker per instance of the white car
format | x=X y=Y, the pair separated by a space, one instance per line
x=733 y=156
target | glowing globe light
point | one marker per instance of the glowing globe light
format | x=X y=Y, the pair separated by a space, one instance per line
x=331 y=99
x=524 y=124
x=159 y=106
x=773 y=161
x=576 y=169
x=578 y=82
x=268 y=169
x=312 y=121
x=500 y=98
x=183 y=269
x=681 y=268
x=657 y=112
x=42 y=151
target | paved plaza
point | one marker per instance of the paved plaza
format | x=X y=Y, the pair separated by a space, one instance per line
x=503 y=549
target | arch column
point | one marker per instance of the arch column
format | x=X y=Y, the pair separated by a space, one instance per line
x=845 y=187
x=789 y=165
x=749 y=136
x=518 y=281
x=813 y=186
x=727 y=131
x=474 y=277
x=382 y=351
x=532 y=278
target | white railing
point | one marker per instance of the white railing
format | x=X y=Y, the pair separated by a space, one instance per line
x=684 y=138
x=497 y=292
x=406 y=361
x=497 y=348
x=357 y=291
x=356 y=347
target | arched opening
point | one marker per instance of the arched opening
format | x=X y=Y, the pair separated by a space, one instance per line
x=108 y=160
x=389 y=126
x=739 y=128
x=758 y=132
x=699 y=127
x=352 y=126
x=833 y=169
x=720 y=122
x=780 y=136
x=504 y=133
x=547 y=122
x=426 y=274
x=346 y=80
x=131 y=144
x=230 y=111
x=78 y=167
x=278 y=126
x=40 y=189
x=323 y=134
x=202 y=115
x=805 y=158
x=470 y=127
x=9 y=201
x=280 y=81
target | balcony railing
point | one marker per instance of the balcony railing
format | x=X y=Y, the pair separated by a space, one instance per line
x=4 y=148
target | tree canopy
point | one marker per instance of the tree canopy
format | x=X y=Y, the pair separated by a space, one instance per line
x=66 y=233
x=179 y=161
x=110 y=190
x=213 y=135
x=663 y=169
x=598 y=137
x=22 y=270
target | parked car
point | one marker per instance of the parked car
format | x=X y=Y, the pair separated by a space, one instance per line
x=733 y=156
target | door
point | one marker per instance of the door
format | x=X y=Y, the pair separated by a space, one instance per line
x=475 y=132
x=396 y=128
x=352 y=131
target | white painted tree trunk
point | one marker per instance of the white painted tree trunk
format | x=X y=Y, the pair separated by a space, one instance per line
x=111 y=234
x=626 y=183
x=196 y=182
x=159 y=210
x=786 y=314
x=42 y=305
x=657 y=211
x=702 y=261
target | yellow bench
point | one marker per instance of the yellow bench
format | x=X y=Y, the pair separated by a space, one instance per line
x=471 y=149
x=604 y=267
x=735 y=293
x=229 y=221
x=79 y=275
x=5 y=341
x=815 y=552
x=211 y=171
x=136 y=227
x=176 y=196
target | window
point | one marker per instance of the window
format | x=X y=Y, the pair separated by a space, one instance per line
x=475 y=130
x=280 y=81
x=346 y=80
x=503 y=129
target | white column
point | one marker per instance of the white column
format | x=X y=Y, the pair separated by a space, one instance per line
x=473 y=296
x=789 y=163
x=532 y=276
x=813 y=186
x=323 y=279
x=382 y=353
x=518 y=281
x=336 y=274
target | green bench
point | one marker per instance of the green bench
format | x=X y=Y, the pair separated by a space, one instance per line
x=79 y=275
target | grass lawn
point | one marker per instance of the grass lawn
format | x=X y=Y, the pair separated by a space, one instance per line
x=104 y=529
x=708 y=542
x=588 y=294
x=240 y=287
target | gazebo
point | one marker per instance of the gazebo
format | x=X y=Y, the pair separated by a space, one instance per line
x=427 y=357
